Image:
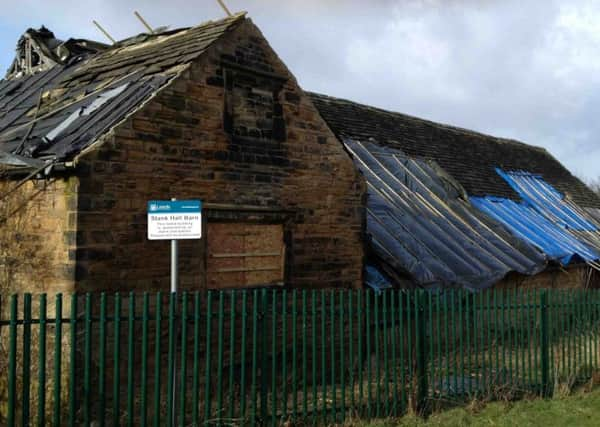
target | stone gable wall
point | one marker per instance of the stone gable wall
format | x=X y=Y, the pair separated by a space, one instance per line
x=236 y=131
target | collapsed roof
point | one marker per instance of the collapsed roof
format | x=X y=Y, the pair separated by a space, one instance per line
x=453 y=207
x=39 y=50
x=420 y=222
x=60 y=109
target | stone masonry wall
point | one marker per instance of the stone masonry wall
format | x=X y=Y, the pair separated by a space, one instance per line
x=231 y=136
x=37 y=240
x=575 y=277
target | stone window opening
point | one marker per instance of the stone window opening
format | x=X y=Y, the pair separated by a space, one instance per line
x=252 y=109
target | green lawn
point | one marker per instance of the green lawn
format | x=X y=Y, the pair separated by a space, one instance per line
x=580 y=409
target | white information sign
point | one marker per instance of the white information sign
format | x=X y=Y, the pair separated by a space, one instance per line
x=174 y=220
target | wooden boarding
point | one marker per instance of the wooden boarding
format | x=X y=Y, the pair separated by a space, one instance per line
x=243 y=255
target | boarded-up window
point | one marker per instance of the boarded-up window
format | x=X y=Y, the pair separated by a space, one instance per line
x=252 y=109
x=245 y=255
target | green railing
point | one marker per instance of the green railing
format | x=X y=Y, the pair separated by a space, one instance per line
x=265 y=356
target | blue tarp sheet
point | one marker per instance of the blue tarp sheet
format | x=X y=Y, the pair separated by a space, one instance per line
x=420 y=222
x=548 y=201
x=527 y=223
x=545 y=218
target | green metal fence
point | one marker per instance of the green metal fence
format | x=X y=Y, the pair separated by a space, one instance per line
x=266 y=356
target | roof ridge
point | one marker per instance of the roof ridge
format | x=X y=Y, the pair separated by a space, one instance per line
x=123 y=49
x=233 y=17
x=129 y=43
x=439 y=125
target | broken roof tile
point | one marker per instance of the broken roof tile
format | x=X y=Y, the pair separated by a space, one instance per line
x=144 y=64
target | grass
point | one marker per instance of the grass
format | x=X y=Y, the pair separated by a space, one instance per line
x=579 y=409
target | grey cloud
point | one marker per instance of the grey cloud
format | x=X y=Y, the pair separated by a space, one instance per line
x=528 y=70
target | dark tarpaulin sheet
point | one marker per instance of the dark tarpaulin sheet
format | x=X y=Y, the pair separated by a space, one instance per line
x=420 y=223
x=545 y=218
x=375 y=279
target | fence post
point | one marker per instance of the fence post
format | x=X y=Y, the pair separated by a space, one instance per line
x=26 y=378
x=42 y=362
x=262 y=325
x=545 y=344
x=12 y=361
x=421 y=338
x=57 y=360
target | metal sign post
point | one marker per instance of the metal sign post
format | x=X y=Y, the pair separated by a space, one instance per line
x=174 y=256
x=174 y=220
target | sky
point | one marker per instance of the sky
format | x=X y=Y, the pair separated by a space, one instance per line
x=528 y=70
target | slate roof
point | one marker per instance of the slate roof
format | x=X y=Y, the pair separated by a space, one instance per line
x=82 y=100
x=420 y=223
x=470 y=157
x=594 y=213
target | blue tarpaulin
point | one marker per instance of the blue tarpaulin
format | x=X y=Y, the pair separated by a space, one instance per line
x=420 y=222
x=544 y=218
x=548 y=201
x=527 y=223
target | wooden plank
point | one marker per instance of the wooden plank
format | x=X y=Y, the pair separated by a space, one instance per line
x=248 y=269
x=245 y=254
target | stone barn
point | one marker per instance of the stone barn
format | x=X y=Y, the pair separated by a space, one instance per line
x=299 y=189
x=89 y=133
